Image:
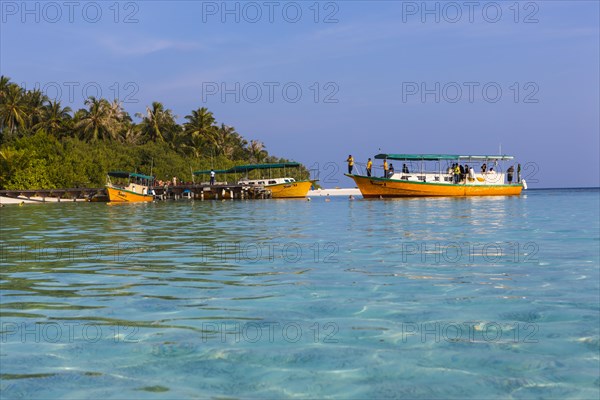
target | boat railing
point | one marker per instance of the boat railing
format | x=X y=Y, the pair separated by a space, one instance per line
x=488 y=177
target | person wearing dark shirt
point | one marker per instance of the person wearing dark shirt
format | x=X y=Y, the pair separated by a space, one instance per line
x=509 y=174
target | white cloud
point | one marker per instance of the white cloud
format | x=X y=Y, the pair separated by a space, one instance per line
x=144 y=46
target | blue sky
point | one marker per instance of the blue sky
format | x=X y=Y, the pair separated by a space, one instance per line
x=400 y=76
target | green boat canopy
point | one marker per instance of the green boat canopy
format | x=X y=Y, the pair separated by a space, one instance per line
x=207 y=172
x=483 y=158
x=251 y=167
x=438 y=157
x=122 y=174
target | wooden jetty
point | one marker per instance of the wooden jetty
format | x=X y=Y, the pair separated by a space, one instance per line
x=191 y=191
x=208 y=192
x=59 y=194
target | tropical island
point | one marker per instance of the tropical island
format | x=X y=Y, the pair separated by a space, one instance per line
x=44 y=145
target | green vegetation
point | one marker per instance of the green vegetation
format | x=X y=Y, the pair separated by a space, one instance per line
x=46 y=146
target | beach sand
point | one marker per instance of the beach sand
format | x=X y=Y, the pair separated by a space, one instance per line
x=334 y=192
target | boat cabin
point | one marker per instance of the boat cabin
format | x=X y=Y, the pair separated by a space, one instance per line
x=265 y=182
x=242 y=172
x=130 y=181
x=440 y=168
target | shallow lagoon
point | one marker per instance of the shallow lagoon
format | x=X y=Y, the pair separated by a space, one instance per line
x=414 y=298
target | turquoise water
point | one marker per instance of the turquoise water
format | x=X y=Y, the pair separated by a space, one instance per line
x=417 y=298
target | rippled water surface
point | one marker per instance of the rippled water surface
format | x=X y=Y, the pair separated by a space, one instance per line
x=417 y=298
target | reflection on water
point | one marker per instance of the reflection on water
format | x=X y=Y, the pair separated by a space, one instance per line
x=419 y=298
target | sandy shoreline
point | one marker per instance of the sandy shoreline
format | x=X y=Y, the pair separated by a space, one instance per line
x=334 y=192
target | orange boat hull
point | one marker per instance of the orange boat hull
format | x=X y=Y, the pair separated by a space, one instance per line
x=290 y=190
x=118 y=195
x=372 y=187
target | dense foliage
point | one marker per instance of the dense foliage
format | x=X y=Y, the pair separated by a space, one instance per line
x=46 y=146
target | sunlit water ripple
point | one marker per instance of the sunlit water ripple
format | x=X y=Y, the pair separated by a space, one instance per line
x=416 y=298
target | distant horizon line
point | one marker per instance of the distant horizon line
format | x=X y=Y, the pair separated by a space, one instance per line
x=527 y=190
x=562 y=188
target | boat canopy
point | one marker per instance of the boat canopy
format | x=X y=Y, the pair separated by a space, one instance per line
x=121 y=174
x=251 y=167
x=483 y=158
x=438 y=157
x=206 y=172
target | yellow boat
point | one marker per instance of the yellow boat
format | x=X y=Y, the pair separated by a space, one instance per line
x=441 y=180
x=137 y=190
x=278 y=188
x=289 y=189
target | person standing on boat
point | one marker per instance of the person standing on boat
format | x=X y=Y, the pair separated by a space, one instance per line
x=404 y=169
x=385 y=168
x=369 y=166
x=509 y=174
x=518 y=173
x=483 y=168
x=456 y=173
x=212 y=177
x=391 y=173
x=350 y=161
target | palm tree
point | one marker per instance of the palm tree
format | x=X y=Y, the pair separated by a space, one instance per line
x=117 y=112
x=101 y=121
x=123 y=124
x=227 y=141
x=13 y=109
x=198 y=129
x=4 y=84
x=132 y=135
x=158 y=123
x=36 y=101
x=54 y=119
x=257 y=151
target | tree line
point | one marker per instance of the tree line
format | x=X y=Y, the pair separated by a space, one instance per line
x=44 y=145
